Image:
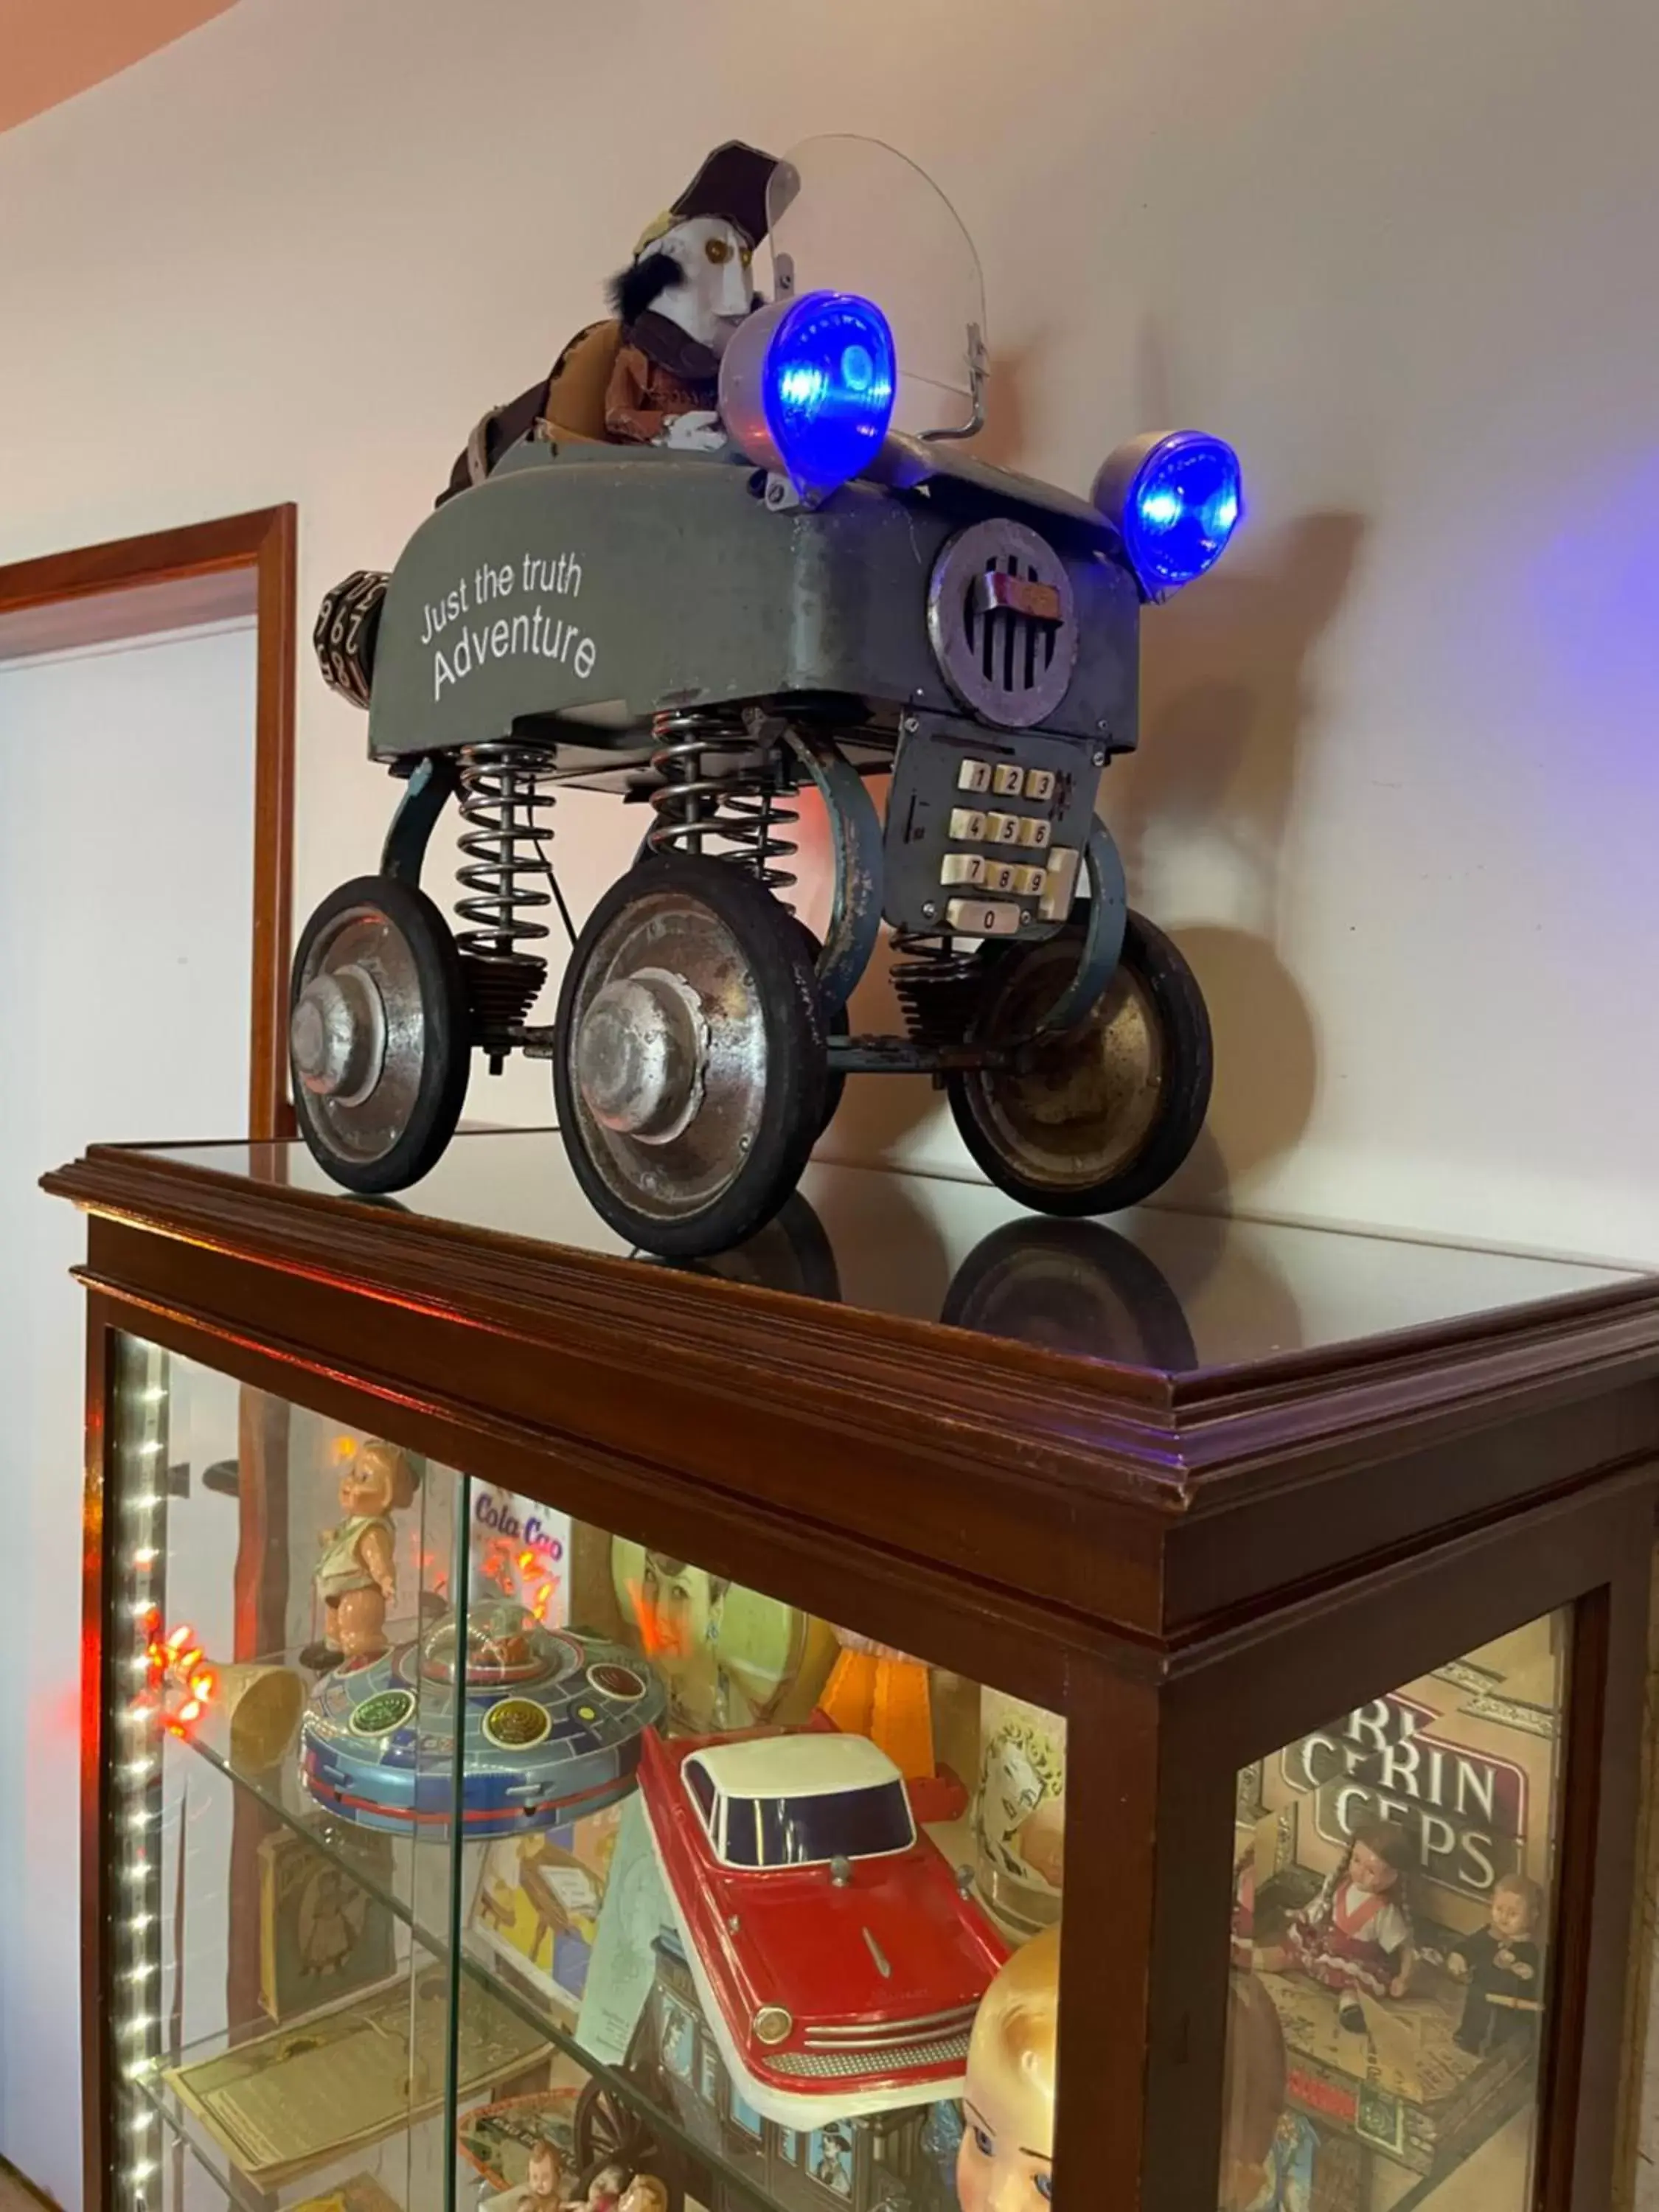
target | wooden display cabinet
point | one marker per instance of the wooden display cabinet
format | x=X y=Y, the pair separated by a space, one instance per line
x=1281 y=1598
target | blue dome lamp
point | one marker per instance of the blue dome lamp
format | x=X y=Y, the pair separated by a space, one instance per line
x=807 y=387
x=1175 y=498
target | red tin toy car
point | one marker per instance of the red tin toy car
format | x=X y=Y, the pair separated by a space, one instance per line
x=835 y=1953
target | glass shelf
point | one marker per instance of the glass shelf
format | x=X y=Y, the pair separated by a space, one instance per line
x=418 y=1895
x=389 y=2163
x=441 y=1812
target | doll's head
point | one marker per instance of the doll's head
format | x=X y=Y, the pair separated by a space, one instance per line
x=1252 y=2095
x=692 y=265
x=544 y=2181
x=1378 y=1857
x=607 y=2185
x=1007 y=2157
x=644 y=2193
x=1517 y=1906
x=376 y=1478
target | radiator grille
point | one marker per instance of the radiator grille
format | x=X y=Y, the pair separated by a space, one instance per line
x=1003 y=622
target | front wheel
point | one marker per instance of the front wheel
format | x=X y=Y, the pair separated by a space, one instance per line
x=1100 y=1117
x=379 y=1034
x=690 y=1063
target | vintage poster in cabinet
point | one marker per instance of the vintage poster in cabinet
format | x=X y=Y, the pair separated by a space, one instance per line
x=1392 y=1894
x=539 y=1900
x=322 y=1934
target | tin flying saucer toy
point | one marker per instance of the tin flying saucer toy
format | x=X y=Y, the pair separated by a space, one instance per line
x=551 y=1722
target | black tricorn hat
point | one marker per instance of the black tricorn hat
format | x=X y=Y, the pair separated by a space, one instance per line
x=731 y=184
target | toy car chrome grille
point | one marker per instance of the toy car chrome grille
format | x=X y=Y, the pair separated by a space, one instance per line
x=1002 y=617
x=839 y=2065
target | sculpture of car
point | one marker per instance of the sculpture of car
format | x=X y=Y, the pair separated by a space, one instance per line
x=837 y=1957
x=554 y=1719
x=837 y=592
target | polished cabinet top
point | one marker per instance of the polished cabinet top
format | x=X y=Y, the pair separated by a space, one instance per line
x=1153 y=1289
x=1152 y=1423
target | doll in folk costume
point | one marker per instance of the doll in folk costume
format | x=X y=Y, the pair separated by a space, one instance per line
x=687 y=288
x=1356 y=1935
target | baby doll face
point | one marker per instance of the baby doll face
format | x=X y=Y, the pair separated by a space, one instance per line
x=1511 y=1914
x=1006 y=2161
x=1369 y=1871
x=546 y=2178
x=365 y=1481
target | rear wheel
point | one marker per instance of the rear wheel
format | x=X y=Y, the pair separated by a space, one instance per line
x=379 y=1035
x=1101 y=1116
x=688 y=1065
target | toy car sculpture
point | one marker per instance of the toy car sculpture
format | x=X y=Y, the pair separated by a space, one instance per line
x=730 y=556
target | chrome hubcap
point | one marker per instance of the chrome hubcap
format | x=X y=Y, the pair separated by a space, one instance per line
x=641 y=1053
x=357 y=1035
x=668 y=1054
x=338 y=1035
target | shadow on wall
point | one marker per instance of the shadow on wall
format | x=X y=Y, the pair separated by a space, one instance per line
x=1227 y=704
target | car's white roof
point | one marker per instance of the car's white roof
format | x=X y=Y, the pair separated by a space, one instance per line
x=815 y=1763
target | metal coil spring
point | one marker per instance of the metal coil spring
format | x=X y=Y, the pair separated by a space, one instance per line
x=732 y=802
x=937 y=987
x=506 y=871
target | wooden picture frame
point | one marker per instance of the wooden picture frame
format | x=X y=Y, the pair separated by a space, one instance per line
x=170 y=579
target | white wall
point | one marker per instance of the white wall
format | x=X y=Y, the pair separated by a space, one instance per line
x=1400 y=787
x=125 y=846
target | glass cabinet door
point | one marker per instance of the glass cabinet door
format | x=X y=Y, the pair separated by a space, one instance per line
x=463 y=1853
x=1390 y=1992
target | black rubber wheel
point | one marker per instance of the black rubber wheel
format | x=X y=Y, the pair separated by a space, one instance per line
x=689 y=1066
x=1099 y=1118
x=609 y=2132
x=1072 y=1286
x=378 y=1009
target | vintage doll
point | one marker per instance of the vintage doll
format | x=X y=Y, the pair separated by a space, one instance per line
x=1267 y=2151
x=544 y=2182
x=644 y=2193
x=357 y=1576
x=606 y=2190
x=1501 y=1963
x=1357 y=1934
x=1007 y=2157
x=685 y=291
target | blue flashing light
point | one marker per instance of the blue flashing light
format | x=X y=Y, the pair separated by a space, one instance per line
x=1182 y=507
x=827 y=387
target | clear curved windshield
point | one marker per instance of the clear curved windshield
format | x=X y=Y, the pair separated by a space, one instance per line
x=851 y=215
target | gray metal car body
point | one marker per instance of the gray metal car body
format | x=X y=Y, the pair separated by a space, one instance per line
x=579 y=591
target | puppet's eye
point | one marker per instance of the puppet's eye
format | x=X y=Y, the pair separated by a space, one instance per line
x=983 y=2144
x=1044 y=2184
x=718 y=250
